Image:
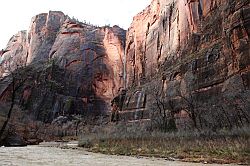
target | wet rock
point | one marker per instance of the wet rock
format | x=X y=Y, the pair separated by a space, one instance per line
x=14 y=140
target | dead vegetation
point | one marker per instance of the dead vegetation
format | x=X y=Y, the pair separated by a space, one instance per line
x=223 y=146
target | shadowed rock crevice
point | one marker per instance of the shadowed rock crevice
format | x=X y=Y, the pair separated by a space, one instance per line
x=76 y=68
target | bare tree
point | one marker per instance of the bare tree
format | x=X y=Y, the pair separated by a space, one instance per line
x=163 y=112
x=191 y=108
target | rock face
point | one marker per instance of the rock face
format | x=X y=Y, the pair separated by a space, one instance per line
x=189 y=57
x=196 y=50
x=42 y=35
x=15 y=52
x=77 y=68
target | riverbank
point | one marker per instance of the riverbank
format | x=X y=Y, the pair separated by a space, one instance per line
x=53 y=156
x=221 y=147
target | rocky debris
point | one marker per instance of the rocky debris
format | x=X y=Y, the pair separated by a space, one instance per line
x=60 y=120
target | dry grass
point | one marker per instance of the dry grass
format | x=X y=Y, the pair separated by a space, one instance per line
x=221 y=147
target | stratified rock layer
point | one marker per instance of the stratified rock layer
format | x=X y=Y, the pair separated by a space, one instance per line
x=77 y=67
x=193 y=54
x=191 y=49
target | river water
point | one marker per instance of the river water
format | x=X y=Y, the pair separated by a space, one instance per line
x=53 y=156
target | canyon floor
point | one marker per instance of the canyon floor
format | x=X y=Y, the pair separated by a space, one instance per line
x=53 y=156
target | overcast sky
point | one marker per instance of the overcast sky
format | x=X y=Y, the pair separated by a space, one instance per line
x=15 y=15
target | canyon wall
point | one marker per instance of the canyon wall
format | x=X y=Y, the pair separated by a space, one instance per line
x=74 y=67
x=190 y=51
x=191 y=56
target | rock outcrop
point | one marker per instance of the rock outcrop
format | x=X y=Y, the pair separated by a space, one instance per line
x=190 y=58
x=42 y=35
x=74 y=68
x=15 y=52
x=194 y=53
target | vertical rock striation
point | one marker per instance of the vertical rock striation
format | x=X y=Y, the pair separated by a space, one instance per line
x=77 y=67
x=197 y=48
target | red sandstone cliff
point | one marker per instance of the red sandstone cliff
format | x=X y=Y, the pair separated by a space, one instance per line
x=169 y=30
x=84 y=63
x=192 y=49
x=196 y=50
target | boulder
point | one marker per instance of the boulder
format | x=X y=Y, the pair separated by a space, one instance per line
x=14 y=140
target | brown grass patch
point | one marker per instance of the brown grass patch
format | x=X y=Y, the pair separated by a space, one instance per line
x=223 y=147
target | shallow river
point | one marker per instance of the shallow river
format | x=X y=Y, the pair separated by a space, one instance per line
x=52 y=156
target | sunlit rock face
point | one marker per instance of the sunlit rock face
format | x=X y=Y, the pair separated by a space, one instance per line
x=78 y=67
x=16 y=52
x=191 y=48
x=44 y=29
x=161 y=32
x=93 y=54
